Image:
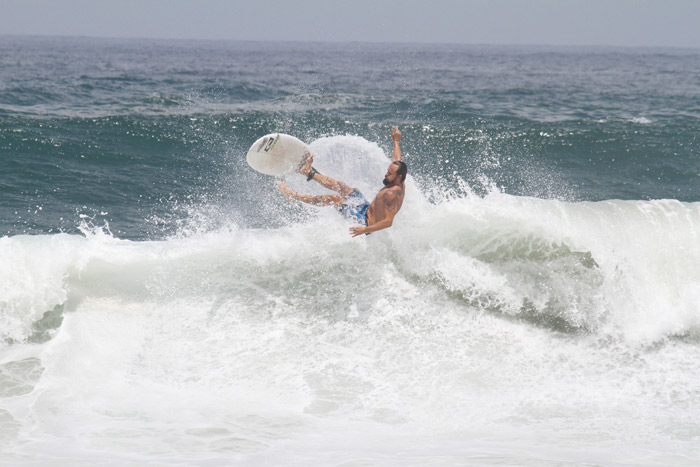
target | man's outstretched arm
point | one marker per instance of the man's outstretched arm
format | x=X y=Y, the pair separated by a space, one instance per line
x=396 y=136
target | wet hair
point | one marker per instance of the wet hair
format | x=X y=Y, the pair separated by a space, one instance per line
x=403 y=169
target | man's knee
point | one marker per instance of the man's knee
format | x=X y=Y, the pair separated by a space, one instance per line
x=336 y=199
x=345 y=190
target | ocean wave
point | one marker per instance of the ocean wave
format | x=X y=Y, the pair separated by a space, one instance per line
x=470 y=311
x=616 y=268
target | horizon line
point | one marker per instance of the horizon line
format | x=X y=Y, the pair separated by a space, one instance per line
x=385 y=42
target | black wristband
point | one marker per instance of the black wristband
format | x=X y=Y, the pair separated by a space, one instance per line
x=311 y=174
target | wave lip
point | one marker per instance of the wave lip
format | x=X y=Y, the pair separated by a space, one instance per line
x=32 y=280
x=618 y=268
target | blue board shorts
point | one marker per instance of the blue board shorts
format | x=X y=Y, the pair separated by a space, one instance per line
x=355 y=207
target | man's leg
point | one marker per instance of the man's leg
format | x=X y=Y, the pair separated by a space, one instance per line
x=316 y=200
x=328 y=182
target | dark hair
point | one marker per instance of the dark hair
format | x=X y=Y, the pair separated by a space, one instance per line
x=403 y=169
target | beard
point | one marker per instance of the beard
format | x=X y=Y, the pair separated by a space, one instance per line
x=386 y=182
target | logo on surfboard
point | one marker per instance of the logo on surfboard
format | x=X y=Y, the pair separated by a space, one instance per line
x=268 y=143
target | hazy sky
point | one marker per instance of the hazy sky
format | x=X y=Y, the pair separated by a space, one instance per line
x=674 y=23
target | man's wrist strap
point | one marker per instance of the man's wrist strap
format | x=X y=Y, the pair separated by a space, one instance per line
x=311 y=174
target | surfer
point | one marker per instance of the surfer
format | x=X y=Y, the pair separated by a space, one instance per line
x=377 y=215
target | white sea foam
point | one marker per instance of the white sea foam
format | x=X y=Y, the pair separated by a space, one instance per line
x=477 y=330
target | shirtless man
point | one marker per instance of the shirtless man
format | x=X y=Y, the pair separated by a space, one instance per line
x=377 y=215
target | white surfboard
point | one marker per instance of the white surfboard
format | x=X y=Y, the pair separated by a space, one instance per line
x=277 y=154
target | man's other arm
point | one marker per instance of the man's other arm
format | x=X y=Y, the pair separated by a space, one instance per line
x=396 y=136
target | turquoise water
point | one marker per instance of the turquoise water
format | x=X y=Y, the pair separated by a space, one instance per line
x=535 y=302
x=136 y=129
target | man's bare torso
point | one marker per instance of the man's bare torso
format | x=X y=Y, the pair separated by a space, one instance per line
x=385 y=200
